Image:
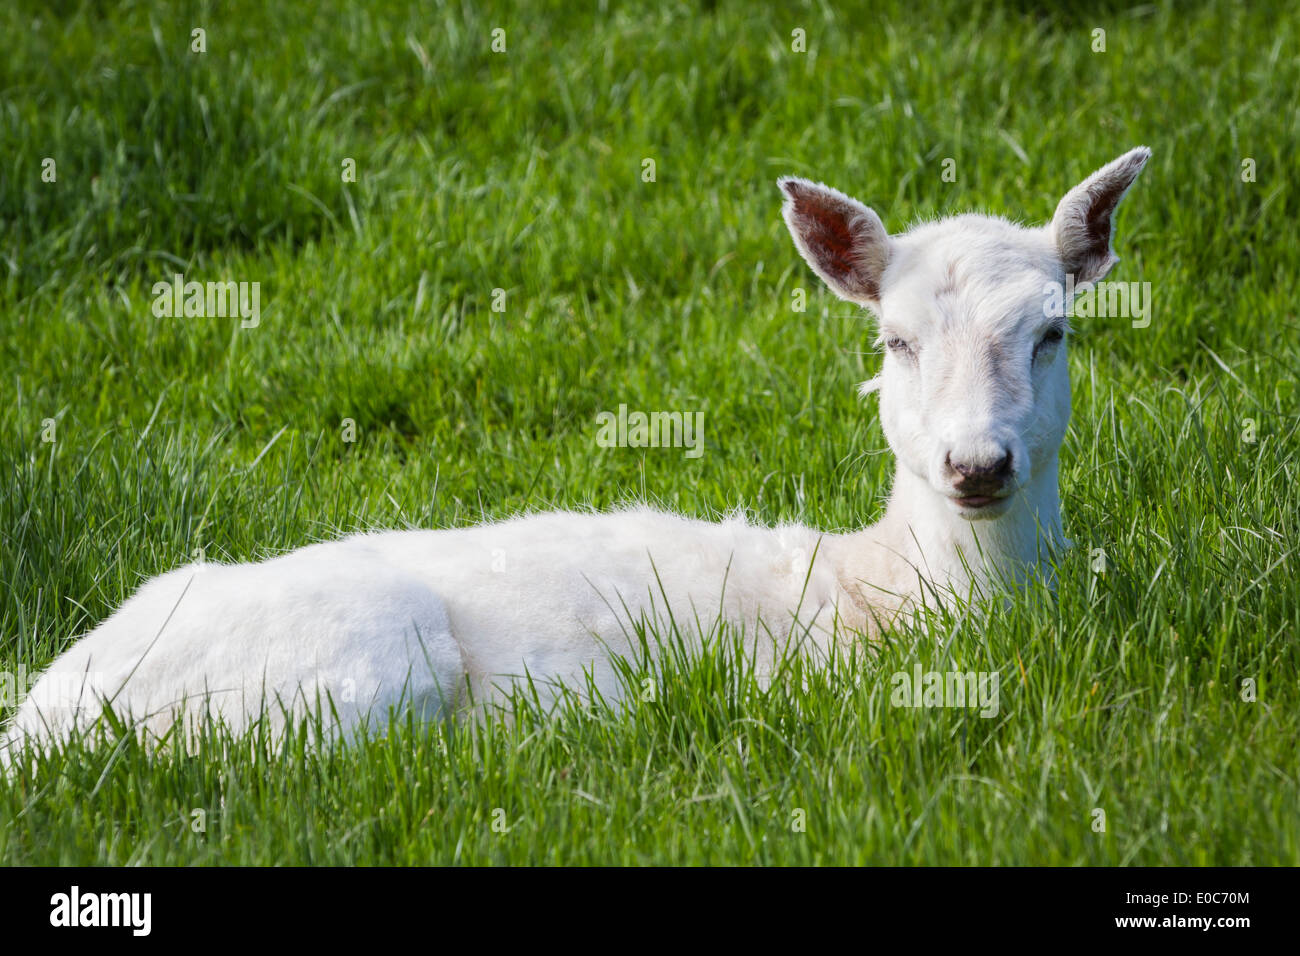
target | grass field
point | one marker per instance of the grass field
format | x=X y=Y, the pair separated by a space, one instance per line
x=523 y=171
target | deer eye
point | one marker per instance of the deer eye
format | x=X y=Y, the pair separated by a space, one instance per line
x=1048 y=340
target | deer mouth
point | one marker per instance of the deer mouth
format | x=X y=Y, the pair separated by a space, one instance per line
x=979 y=493
x=981 y=506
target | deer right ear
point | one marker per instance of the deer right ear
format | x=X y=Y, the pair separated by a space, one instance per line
x=1084 y=220
x=844 y=241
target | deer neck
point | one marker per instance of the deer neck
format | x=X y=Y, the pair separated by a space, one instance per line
x=922 y=541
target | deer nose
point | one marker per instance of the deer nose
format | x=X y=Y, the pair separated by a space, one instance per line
x=984 y=472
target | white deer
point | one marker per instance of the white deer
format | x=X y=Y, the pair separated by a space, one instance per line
x=974 y=397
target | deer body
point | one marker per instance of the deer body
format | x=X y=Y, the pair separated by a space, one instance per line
x=974 y=397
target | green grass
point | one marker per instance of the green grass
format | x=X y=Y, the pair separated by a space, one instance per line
x=522 y=171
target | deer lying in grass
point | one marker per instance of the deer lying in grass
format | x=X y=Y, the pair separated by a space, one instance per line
x=974 y=397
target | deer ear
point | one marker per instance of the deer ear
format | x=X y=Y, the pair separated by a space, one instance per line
x=1084 y=220
x=844 y=241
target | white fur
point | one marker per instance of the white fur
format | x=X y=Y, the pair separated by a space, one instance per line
x=425 y=618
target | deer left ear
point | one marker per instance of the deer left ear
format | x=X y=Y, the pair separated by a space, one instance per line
x=844 y=241
x=1084 y=220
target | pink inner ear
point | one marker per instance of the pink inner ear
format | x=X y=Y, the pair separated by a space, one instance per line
x=827 y=235
x=825 y=225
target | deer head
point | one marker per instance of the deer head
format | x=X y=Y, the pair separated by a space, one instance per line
x=974 y=388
